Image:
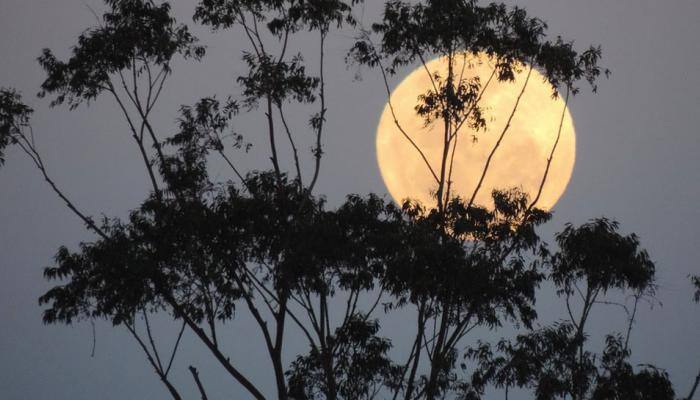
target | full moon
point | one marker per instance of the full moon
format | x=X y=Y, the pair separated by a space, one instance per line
x=519 y=162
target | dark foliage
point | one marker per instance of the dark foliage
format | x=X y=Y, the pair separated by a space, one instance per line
x=553 y=361
x=600 y=257
x=618 y=380
x=202 y=250
x=14 y=117
x=413 y=32
x=133 y=31
x=279 y=80
x=361 y=369
x=280 y=15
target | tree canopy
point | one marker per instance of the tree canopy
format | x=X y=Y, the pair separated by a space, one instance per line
x=202 y=250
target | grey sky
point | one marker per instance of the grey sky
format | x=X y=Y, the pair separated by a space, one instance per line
x=638 y=161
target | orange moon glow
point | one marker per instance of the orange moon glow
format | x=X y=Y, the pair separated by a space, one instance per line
x=521 y=159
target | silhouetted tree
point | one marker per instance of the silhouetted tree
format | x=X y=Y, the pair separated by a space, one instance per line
x=200 y=250
x=594 y=259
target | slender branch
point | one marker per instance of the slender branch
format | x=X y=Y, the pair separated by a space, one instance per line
x=374 y=305
x=631 y=323
x=262 y=290
x=351 y=305
x=427 y=71
x=177 y=345
x=150 y=82
x=475 y=105
x=449 y=175
x=446 y=114
x=318 y=152
x=94 y=338
x=695 y=387
x=150 y=339
x=195 y=375
x=297 y=164
x=554 y=148
x=171 y=389
x=429 y=346
x=416 y=359
x=439 y=352
x=256 y=314
x=134 y=77
x=143 y=114
x=398 y=125
x=32 y=152
x=248 y=32
x=221 y=152
x=164 y=72
x=139 y=142
x=500 y=139
x=458 y=333
x=126 y=88
x=568 y=309
x=271 y=134
x=312 y=316
x=156 y=143
x=257 y=34
x=284 y=44
x=405 y=369
x=223 y=360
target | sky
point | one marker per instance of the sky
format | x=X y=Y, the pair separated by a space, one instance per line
x=638 y=161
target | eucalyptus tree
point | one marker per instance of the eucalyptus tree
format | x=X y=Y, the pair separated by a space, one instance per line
x=554 y=361
x=200 y=250
x=454 y=30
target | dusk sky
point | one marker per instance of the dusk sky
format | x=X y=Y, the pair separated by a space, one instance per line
x=637 y=161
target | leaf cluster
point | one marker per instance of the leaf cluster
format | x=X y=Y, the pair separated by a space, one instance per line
x=14 y=116
x=280 y=16
x=132 y=31
x=362 y=368
x=548 y=362
x=598 y=255
x=415 y=32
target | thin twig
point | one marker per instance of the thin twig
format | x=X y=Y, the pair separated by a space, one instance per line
x=297 y=164
x=554 y=148
x=34 y=155
x=177 y=345
x=151 y=340
x=500 y=139
x=396 y=119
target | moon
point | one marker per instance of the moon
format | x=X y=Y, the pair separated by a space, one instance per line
x=519 y=162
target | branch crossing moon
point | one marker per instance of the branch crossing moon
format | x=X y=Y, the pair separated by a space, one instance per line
x=521 y=159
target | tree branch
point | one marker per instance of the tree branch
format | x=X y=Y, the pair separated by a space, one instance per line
x=500 y=139
x=554 y=148
x=195 y=375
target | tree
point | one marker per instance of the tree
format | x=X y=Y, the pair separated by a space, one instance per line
x=200 y=250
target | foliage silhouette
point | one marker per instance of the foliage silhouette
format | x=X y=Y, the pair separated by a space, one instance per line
x=201 y=251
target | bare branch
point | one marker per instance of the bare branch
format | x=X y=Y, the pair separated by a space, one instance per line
x=195 y=375
x=29 y=149
x=152 y=342
x=297 y=164
x=171 y=389
x=220 y=357
x=177 y=345
x=554 y=148
x=500 y=139
x=694 y=388
x=396 y=120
